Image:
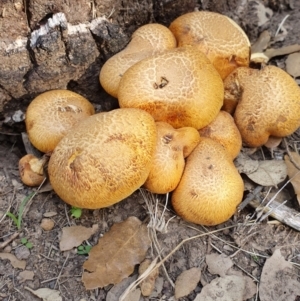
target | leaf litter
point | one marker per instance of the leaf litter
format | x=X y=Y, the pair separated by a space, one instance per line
x=116 y=254
x=278 y=279
x=74 y=236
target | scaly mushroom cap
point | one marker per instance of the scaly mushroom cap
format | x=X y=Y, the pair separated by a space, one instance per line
x=173 y=145
x=103 y=159
x=52 y=114
x=224 y=130
x=147 y=40
x=180 y=87
x=210 y=188
x=219 y=37
x=268 y=104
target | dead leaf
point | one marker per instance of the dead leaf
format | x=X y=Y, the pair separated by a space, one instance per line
x=133 y=295
x=117 y=290
x=293 y=64
x=245 y=164
x=269 y=173
x=292 y=170
x=15 y=262
x=74 y=236
x=278 y=280
x=218 y=264
x=229 y=288
x=186 y=282
x=46 y=294
x=50 y=214
x=116 y=254
x=25 y=275
x=250 y=286
x=148 y=284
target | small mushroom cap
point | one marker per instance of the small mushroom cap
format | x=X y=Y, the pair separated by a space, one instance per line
x=224 y=130
x=147 y=40
x=52 y=114
x=268 y=104
x=31 y=170
x=210 y=188
x=173 y=145
x=219 y=37
x=104 y=159
x=180 y=87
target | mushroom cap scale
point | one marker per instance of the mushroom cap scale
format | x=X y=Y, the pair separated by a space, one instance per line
x=180 y=87
x=210 y=188
x=147 y=40
x=268 y=104
x=52 y=114
x=219 y=37
x=104 y=159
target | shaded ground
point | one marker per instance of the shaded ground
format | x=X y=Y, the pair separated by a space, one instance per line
x=62 y=271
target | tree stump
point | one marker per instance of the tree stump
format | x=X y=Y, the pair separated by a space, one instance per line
x=63 y=44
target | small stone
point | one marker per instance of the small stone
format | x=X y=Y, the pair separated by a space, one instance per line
x=47 y=224
x=22 y=253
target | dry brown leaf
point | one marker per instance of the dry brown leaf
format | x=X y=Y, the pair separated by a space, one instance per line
x=229 y=288
x=25 y=275
x=74 y=236
x=293 y=64
x=148 y=284
x=116 y=254
x=292 y=170
x=278 y=280
x=218 y=264
x=245 y=164
x=250 y=286
x=134 y=295
x=186 y=282
x=269 y=173
x=46 y=294
x=15 y=262
x=117 y=290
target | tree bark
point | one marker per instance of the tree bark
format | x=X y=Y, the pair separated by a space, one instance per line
x=62 y=44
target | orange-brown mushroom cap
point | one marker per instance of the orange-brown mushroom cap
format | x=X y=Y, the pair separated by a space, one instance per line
x=180 y=87
x=147 y=40
x=52 y=114
x=172 y=147
x=104 y=159
x=268 y=104
x=31 y=170
x=210 y=188
x=216 y=35
x=224 y=130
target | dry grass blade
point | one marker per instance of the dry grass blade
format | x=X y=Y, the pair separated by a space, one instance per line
x=156 y=223
x=152 y=267
x=142 y=277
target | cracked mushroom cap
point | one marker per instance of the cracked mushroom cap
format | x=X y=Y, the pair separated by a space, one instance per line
x=52 y=114
x=210 y=188
x=224 y=130
x=268 y=103
x=147 y=40
x=31 y=170
x=103 y=159
x=180 y=87
x=172 y=147
x=219 y=37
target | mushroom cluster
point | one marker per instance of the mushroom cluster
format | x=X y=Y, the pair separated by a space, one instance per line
x=188 y=100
